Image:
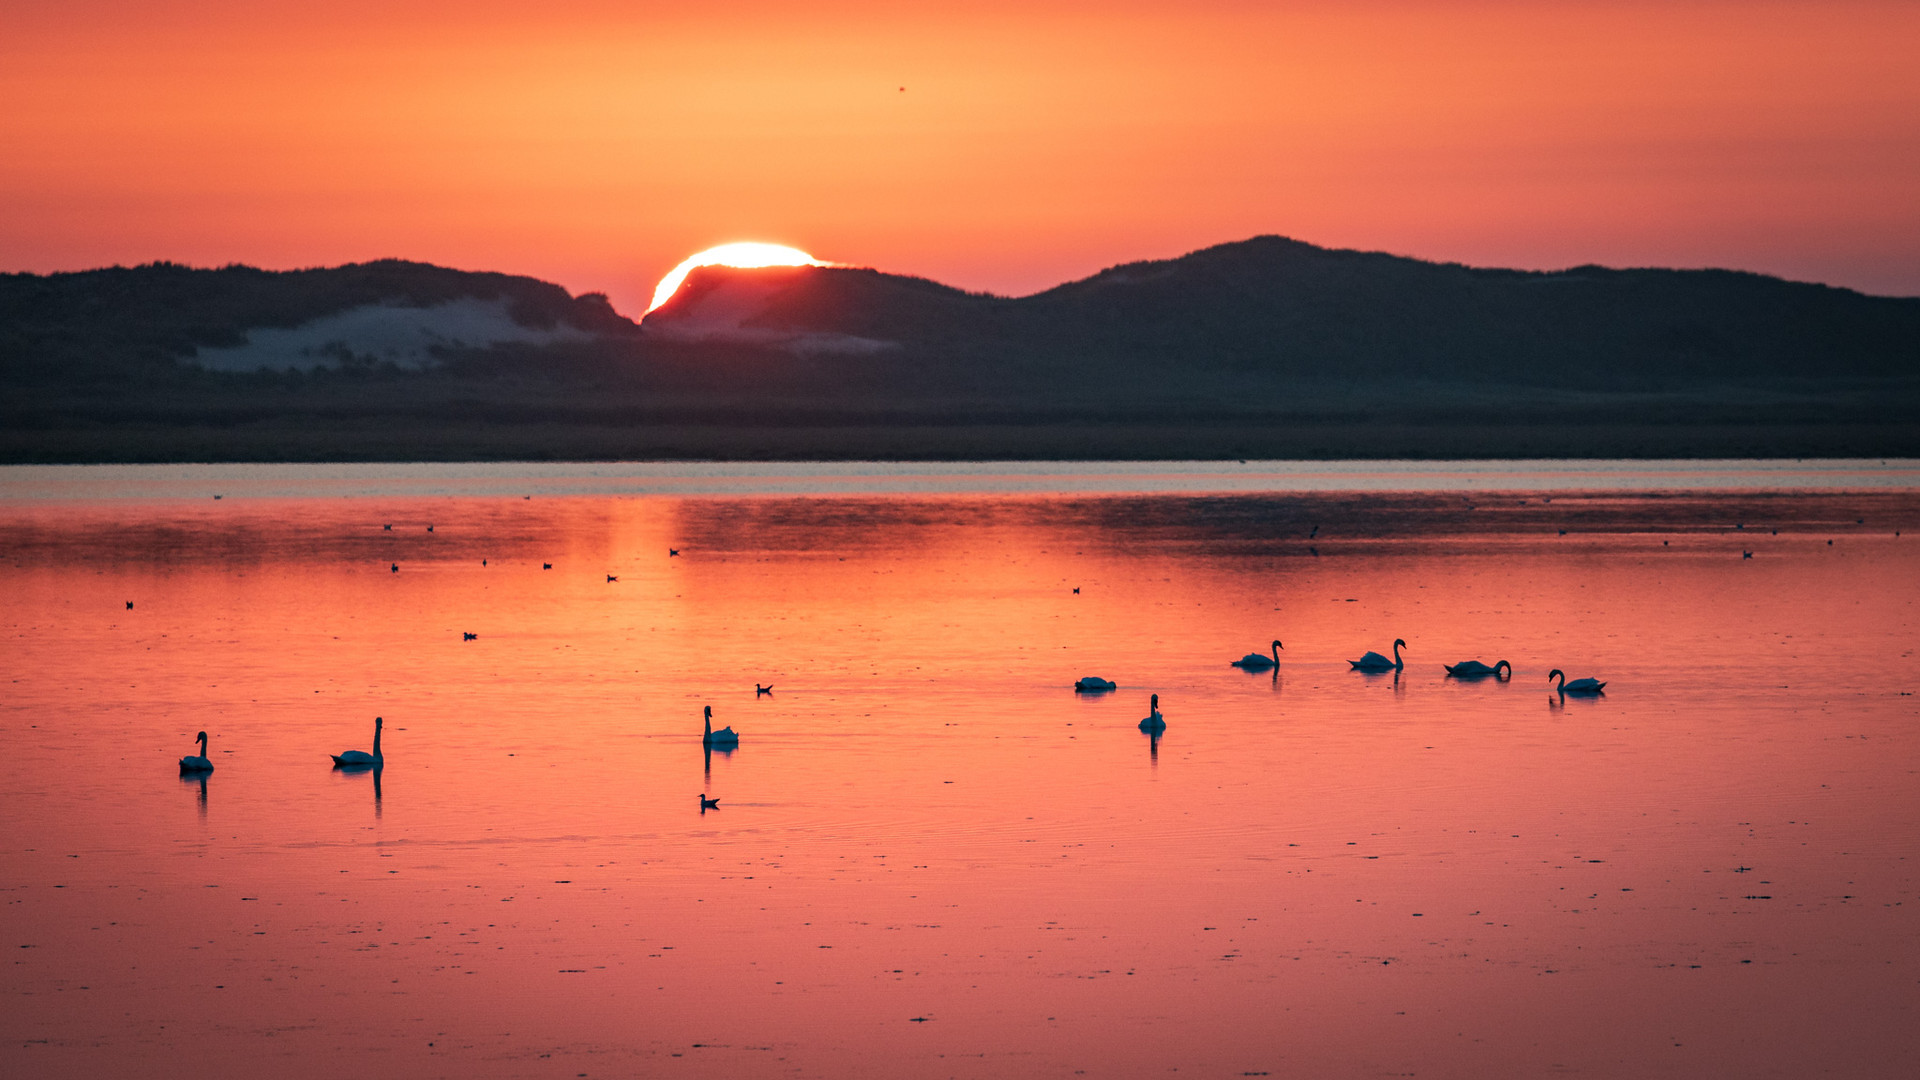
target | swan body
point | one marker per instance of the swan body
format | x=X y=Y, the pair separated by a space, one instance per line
x=197 y=763
x=1474 y=669
x=1373 y=661
x=726 y=736
x=1254 y=661
x=1577 y=686
x=1154 y=724
x=1094 y=684
x=361 y=757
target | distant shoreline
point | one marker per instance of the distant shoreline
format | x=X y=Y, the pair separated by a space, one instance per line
x=404 y=439
x=30 y=484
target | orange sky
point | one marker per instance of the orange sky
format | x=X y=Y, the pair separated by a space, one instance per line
x=597 y=144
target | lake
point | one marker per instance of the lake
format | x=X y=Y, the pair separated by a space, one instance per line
x=931 y=857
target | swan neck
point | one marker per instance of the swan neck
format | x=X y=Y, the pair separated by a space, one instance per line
x=376 y=740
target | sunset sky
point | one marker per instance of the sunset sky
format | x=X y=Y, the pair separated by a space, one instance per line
x=597 y=144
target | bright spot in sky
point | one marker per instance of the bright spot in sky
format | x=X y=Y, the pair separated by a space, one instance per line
x=746 y=254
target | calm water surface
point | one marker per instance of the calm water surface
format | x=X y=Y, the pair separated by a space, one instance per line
x=931 y=858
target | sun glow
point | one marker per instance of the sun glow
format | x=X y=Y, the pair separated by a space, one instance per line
x=746 y=254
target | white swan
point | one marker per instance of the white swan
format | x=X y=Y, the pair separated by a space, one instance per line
x=1577 y=686
x=1373 y=661
x=1474 y=669
x=361 y=757
x=726 y=736
x=1154 y=724
x=1254 y=661
x=197 y=764
x=1093 y=684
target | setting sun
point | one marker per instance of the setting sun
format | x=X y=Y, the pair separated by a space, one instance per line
x=746 y=254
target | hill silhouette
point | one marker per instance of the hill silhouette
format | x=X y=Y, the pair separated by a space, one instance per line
x=1266 y=347
x=1277 y=307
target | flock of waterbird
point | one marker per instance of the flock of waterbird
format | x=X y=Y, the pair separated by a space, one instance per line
x=1153 y=724
x=1372 y=663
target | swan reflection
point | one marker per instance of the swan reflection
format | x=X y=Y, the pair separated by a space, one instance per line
x=199 y=780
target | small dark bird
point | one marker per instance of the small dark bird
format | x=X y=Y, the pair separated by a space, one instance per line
x=217 y=497
x=395 y=568
x=1746 y=554
x=757 y=688
x=1663 y=543
x=469 y=637
x=1563 y=532
x=389 y=528
x=1076 y=588
x=671 y=552
x=429 y=528
x=610 y=577
x=483 y=562
x=546 y=566
x=129 y=605
x=707 y=804
x=1314 y=533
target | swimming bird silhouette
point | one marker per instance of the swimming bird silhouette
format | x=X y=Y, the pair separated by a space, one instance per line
x=1577 y=686
x=469 y=637
x=726 y=736
x=671 y=552
x=1093 y=684
x=1373 y=661
x=361 y=757
x=1744 y=555
x=429 y=528
x=1474 y=669
x=610 y=577
x=129 y=605
x=1254 y=661
x=389 y=528
x=197 y=763
x=1154 y=724
x=707 y=804
x=758 y=689
x=546 y=566
x=395 y=568
x=1076 y=590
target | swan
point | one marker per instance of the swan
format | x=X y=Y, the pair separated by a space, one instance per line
x=361 y=757
x=1254 y=661
x=197 y=764
x=1577 y=686
x=1093 y=684
x=1474 y=669
x=1373 y=661
x=1154 y=724
x=726 y=736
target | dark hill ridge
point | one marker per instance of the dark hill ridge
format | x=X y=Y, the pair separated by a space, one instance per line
x=1281 y=308
x=128 y=319
x=1263 y=348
